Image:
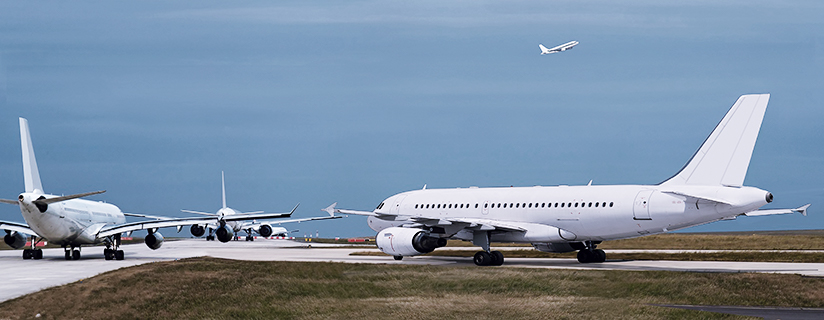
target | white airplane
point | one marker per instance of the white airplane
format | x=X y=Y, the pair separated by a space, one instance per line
x=72 y=222
x=563 y=47
x=568 y=218
x=226 y=230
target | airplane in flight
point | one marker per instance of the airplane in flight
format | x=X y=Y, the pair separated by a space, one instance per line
x=560 y=48
x=72 y=222
x=568 y=218
x=227 y=230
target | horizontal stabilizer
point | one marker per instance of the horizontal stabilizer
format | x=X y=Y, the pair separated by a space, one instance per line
x=69 y=197
x=9 y=201
x=199 y=212
x=802 y=210
x=697 y=195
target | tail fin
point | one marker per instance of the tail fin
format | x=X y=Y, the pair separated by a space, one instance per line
x=724 y=157
x=543 y=49
x=31 y=175
x=223 y=187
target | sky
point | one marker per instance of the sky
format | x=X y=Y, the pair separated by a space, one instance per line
x=315 y=102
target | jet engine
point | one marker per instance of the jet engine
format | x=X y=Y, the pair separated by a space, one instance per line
x=15 y=240
x=401 y=242
x=197 y=230
x=265 y=231
x=154 y=240
x=225 y=234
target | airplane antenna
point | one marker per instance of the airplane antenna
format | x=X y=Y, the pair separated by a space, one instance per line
x=223 y=186
x=424 y=186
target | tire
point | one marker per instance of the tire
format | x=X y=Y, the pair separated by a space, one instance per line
x=601 y=255
x=119 y=255
x=68 y=255
x=26 y=254
x=482 y=258
x=497 y=258
x=398 y=258
x=38 y=254
x=75 y=254
x=585 y=256
x=108 y=254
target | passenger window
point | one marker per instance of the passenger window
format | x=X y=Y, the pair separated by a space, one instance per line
x=499 y=205
x=604 y=205
x=562 y=205
x=517 y=205
x=543 y=204
x=589 y=205
x=576 y=204
x=596 y=204
x=610 y=204
x=556 y=204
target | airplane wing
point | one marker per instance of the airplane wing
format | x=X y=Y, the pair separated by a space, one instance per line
x=278 y=222
x=199 y=212
x=175 y=222
x=16 y=226
x=140 y=215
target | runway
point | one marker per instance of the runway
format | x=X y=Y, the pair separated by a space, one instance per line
x=26 y=276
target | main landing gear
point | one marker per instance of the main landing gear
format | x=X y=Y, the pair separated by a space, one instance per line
x=249 y=236
x=590 y=254
x=492 y=258
x=211 y=236
x=112 y=251
x=486 y=257
x=33 y=253
x=72 y=253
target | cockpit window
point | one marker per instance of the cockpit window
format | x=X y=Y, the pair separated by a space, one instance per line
x=379 y=206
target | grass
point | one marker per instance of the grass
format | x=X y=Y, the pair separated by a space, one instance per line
x=800 y=240
x=217 y=289
x=687 y=256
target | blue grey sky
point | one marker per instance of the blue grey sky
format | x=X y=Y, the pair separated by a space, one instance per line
x=351 y=102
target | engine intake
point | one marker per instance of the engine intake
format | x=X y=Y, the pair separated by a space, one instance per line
x=399 y=241
x=197 y=230
x=15 y=240
x=225 y=234
x=154 y=240
x=265 y=231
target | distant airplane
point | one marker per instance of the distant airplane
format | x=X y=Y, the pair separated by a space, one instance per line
x=226 y=230
x=568 y=218
x=563 y=47
x=71 y=222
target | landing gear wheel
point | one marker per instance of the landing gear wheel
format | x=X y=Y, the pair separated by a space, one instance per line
x=585 y=256
x=398 y=258
x=68 y=255
x=38 y=254
x=75 y=254
x=108 y=254
x=497 y=258
x=26 y=254
x=210 y=238
x=119 y=255
x=602 y=256
x=482 y=258
x=249 y=238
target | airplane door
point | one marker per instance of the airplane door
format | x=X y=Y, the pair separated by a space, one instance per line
x=486 y=208
x=640 y=209
x=396 y=208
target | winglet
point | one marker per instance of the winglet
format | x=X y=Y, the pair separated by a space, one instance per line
x=331 y=209
x=802 y=210
x=293 y=210
x=31 y=175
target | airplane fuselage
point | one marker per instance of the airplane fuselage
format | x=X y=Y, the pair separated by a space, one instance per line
x=70 y=222
x=594 y=213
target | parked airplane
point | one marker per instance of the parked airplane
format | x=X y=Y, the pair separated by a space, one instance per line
x=563 y=47
x=226 y=230
x=568 y=218
x=72 y=222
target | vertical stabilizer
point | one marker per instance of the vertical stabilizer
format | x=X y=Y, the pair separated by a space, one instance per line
x=30 y=174
x=724 y=157
x=223 y=187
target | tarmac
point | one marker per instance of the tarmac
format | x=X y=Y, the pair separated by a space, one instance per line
x=27 y=276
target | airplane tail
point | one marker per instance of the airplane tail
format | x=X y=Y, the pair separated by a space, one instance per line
x=724 y=157
x=31 y=175
x=223 y=188
x=544 y=50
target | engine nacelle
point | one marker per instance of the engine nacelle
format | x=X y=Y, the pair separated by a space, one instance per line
x=197 y=230
x=401 y=242
x=15 y=240
x=224 y=234
x=265 y=231
x=154 y=240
